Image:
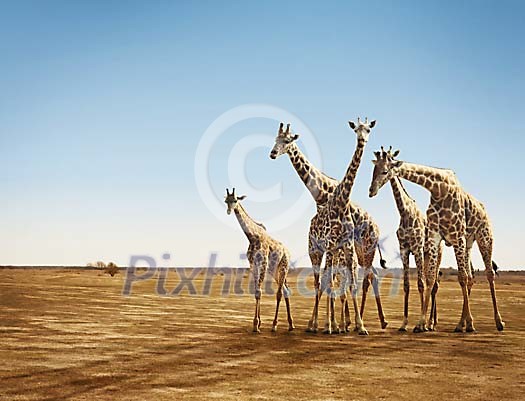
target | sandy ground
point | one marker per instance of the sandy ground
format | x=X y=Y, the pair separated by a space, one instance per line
x=71 y=335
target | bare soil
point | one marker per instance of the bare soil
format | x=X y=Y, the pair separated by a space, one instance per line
x=71 y=335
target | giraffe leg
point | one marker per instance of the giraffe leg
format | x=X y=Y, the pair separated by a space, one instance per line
x=342 y=322
x=375 y=286
x=347 y=315
x=339 y=291
x=433 y=245
x=366 y=285
x=432 y=323
x=330 y=300
x=343 y=285
x=259 y=271
x=351 y=264
x=485 y=247
x=406 y=286
x=256 y=319
x=470 y=267
x=333 y=320
x=420 y=264
x=460 y=250
x=344 y=325
x=282 y=272
x=433 y=308
x=278 y=299
x=329 y=312
x=287 y=294
x=316 y=259
x=470 y=279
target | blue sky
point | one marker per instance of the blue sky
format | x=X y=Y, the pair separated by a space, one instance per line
x=103 y=104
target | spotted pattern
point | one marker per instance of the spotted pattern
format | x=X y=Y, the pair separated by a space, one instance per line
x=265 y=254
x=454 y=217
x=322 y=187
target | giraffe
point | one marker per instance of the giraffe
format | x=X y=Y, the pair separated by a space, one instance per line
x=321 y=187
x=455 y=217
x=410 y=235
x=332 y=232
x=264 y=254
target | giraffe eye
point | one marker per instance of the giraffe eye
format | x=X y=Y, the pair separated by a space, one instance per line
x=385 y=172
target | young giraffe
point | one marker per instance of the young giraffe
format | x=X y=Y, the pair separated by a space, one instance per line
x=264 y=253
x=453 y=216
x=410 y=235
x=321 y=187
x=332 y=231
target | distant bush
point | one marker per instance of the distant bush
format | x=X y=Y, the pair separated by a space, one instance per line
x=111 y=269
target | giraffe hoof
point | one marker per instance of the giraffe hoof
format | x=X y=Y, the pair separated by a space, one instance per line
x=274 y=329
x=458 y=329
x=256 y=330
x=384 y=324
x=470 y=329
x=311 y=330
x=363 y=332
x=327 y=331
x=403 y=329
x=337 y=330
x=419 y=329
x=500 y=326
x=291 y=328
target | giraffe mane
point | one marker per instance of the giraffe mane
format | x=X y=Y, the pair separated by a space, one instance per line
x=404 y=189
x=260 y=225
x=251 y=218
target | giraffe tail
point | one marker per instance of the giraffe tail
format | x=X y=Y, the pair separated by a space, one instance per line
x=495 y=268
x=382 y=261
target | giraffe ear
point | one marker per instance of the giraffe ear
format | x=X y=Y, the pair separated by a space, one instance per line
x=374 y=161
x=295 y=137
x=397 y=163
x=372 y=123
x=241 y=197
x=351 y=124
x=396 y=153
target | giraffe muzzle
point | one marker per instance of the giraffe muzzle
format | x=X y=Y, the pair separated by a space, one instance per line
x=273 y=155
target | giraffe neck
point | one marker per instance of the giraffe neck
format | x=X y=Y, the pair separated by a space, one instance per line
x=312 y=178
x=344 y=188
x=436 y=180
x=250 y=227
x=400 y=195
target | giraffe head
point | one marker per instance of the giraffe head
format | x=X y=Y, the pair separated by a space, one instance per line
x=385 y=168
x=232 y=201
x=362 y=128
x=283 y=141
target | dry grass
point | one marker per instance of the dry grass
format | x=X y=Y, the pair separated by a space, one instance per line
x=70 y=334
